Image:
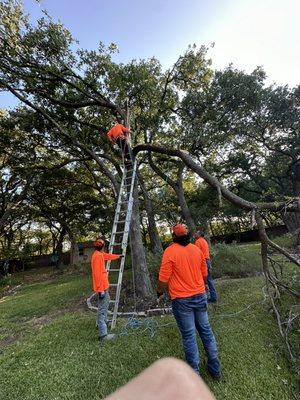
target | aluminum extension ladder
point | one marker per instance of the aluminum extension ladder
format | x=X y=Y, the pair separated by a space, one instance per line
x=120 y=233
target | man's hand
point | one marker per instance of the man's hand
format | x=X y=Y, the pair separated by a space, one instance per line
x=159 y=294
x=182 y=383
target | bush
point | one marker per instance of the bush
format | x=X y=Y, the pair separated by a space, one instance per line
x=5 y=280
x=236 y=261
x=287 y=241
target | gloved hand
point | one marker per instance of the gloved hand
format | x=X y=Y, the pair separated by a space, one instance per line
x=101 y=295
x=159 y=294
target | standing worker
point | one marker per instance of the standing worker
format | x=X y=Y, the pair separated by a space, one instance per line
x=101 y=285
x=204 y=247
x=183 y=271
x=119 y=134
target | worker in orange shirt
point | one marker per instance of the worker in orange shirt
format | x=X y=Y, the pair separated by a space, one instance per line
x=119 y=134
x=204 y=247
x=101 y=285
x=183 y=271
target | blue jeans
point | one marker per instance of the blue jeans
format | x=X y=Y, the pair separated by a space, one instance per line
x=212 y=296
x=191 y=315
x=103 y=303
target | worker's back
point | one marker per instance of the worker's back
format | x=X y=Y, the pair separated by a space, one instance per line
x=203 y=246
x=117 y=131
x=184 y=268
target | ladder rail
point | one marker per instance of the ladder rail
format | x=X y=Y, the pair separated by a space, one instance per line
x=114 y=228
x=124 y=245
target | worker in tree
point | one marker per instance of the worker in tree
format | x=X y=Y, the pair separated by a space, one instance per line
x=101 y=285
x=204 y=247
x=183 y=271
x=119 y=134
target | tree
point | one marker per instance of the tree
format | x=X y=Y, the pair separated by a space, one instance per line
x=250 y=132
x=38 y=68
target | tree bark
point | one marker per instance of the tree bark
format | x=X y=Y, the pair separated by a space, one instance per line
x=59 y=247
x=185 y=211
x=155 y=242
x=143 y=284
x=178 y=189
x=73 y=249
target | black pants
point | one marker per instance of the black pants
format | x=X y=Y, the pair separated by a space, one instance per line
x=124 y=146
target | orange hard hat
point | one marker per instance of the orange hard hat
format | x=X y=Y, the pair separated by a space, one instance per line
x=98 y=243
x=179 y=230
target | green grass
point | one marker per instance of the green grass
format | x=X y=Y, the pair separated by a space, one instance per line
x=40 y=298
x=63 y=359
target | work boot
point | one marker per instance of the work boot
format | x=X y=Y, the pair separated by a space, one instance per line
x=110 y=336
x=215 y=377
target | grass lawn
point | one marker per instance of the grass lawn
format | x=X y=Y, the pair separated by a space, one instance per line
x=54 y=352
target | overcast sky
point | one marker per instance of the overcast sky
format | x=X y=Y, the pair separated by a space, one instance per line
x=245 y=32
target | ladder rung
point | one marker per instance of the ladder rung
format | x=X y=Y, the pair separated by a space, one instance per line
x=116 y=244
x=113 y=284
x=113 y=270
x=116 y=233
x=121 y=221
x=112 y=301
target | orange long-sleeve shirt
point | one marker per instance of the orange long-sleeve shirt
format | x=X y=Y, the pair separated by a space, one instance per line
x=99 y=274
x=117 y=131
x=184 y=269
x=203 y=246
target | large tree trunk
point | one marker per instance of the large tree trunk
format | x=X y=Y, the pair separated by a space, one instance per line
x=59 y=248
x=178 y=189
x=185 y=211
x=155 y=242
x=143 y=285
x=74 y=253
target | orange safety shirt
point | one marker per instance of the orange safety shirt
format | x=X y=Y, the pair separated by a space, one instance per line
x=184 y=269
x=203 y=246
x=117 y=131
x=99 y=273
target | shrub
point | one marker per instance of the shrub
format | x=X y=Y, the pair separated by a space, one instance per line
x=287 y=241
x=236 y=261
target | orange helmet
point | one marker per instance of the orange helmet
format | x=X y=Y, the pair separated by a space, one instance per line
x=179 y=230
x=99 y=243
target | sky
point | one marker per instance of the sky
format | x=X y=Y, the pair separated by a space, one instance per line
x=247 y=33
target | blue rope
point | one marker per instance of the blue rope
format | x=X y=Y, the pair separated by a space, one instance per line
x=149 y=325
x=145 y=325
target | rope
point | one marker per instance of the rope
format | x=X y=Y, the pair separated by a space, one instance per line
x=149 y=325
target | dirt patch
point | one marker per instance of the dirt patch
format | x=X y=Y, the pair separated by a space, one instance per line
x=43 y=320
x=76 y=306
x=7 y=341
x=10 y=290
